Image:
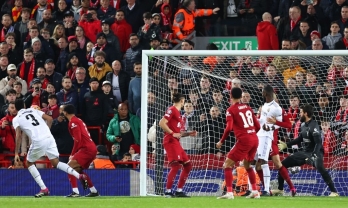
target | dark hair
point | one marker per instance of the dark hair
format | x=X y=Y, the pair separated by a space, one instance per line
x=127 y=154
x=147 y=15
x=17 y=83
x=186 y=3
x=136 y=63
x=53 y=96
x=69 y=109
x=100 y=53
x=120 y=10
x=11 y=91
x=133 y=34
x=65 y=77
x=294 y=96
x=236 y=93
x=307 y=109
x=216 y=90
x=177 y=97
x=19 y=104
x=268 y=89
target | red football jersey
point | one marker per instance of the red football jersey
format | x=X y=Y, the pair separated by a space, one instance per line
x=81 y=136
x=174 y=119
x=285 y=123
x=243 y=119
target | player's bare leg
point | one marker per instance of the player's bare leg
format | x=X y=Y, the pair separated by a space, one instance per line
x=252 y=178
x=187 y=166
x=174 y=168
x=228 y=179
x=85 y=180
x=284 y=174
x=37 y=177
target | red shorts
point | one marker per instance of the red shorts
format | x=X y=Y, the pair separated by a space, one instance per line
x=274 y=148
x=84 y=157
x=245 y=148
x=174 y=150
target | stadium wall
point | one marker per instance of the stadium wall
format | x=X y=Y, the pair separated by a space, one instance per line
x=126 y=182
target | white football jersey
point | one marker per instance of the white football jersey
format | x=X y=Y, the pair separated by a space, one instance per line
x=268 y=110
x=31 y=122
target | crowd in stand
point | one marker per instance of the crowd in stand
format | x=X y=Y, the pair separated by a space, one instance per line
x=88 y=53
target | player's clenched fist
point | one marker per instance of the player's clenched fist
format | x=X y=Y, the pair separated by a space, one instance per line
x=218 y=145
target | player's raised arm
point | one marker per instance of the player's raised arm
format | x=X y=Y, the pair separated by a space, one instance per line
x=48 y=119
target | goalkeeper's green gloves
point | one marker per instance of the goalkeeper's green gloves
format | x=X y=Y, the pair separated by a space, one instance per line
x=282 y=145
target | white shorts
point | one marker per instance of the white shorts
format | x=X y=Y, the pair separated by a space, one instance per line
x=264 y=148
x=46 y=147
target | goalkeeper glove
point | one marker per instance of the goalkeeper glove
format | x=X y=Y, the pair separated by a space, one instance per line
x=282 y=145
x=311 y=160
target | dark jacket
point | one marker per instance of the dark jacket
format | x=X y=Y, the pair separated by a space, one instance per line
x=112 y=53
x=81 y=89
x=62 y=136
x=123 y=80
x=111 y=11
x=134 y=17
x=115 y=43
x=153 y=32
x=50 y=26
x=94 y=108
x=28 y=98
x=340 y=45
x=284 y=30
x=56 y=80
x=68 y=98
x=132 y=55
x=45 y=47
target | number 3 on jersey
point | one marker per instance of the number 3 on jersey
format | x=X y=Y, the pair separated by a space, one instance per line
x=247 y=118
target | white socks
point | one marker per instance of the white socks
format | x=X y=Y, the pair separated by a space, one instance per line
x=76 y=190
x=266 y=176
x=37 y=177
x=93 y=190
x=179 y=190
x=66 y=168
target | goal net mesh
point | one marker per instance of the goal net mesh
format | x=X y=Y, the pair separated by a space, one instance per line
x=206 y=82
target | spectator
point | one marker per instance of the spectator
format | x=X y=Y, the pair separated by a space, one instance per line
x=304 y=35
x=122 y=30
x=94 y=108
x=119 y=80
x=294 y=67
x=61 y=63
x=17 y=86
x=149 y=31
x=111 y=53
x=272 y=78
x=17 y=164
x=73 y=47
x=123 y=130
x=81 y=38
x=337 y=8
x=37 y=12
x=105 y=10
x=60 y=132
x=47 y=21
x=166 y=18
x=67 y=95
x=36 y=95
x=10 y=97
x=35 y=35
x=317 y=44
x=69 y=23
x=342 y=44
x=133 y=13
x=7 y=83
x=110 y=98
x=9 y=54
x=72 y=65
x=59 y=32
x=16 y=10
x=100 y=68
x=134 y=91
x=21 y=25
x=316 y=35
x=133 y=54
x=126 y=158
x=58 y=15
x=53 y=77
x=52 y=108
x=76 y=8
x=266 y=33
x=251 y=12
x=7 y=132
x=297 y=44
x=6 y=27
x=111 y=38
x=286 y=44
x=41 y=75
x=27 y=69
x=184 y=20
x=90 y=24
x=102 y=160
x=39 y=54
x=288 y=26
x=81 y=85
x=332 y=38
x=134 y=150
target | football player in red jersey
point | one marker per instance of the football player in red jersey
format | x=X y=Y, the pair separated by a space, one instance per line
x=83 y=152
x=171 y=124
x=240 y=119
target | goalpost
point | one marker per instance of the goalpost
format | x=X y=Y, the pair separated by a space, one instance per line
x=206 y=77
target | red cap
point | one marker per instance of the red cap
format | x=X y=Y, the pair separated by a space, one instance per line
x=315 y=32
x=72 y=38
x=136 y=148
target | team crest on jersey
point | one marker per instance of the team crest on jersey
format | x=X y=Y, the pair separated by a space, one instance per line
x=268 y=110
x=73 y=125
x=168 y=113
x=228 y=113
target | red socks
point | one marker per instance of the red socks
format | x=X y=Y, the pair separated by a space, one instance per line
x=89 y=181
x=184 y=174
x=174 y=168
x=252 y=178
x=260 y=174
x=73 y=181
x=228 y=179
x=285 y=174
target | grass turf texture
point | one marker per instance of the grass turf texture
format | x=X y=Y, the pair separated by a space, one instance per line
x=154 y=202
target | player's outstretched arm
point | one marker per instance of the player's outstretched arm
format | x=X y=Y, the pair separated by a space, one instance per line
x=48 y=119
x=188 y=133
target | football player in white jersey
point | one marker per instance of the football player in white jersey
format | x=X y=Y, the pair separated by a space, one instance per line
x=265 y=135
x=33 y=123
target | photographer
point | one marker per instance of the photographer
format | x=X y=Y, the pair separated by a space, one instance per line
x=91 y=24
x=7 y=83
x=36 y=95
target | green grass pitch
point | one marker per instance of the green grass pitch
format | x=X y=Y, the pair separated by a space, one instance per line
x=159 y=202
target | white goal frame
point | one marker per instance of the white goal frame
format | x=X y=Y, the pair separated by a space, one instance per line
x=145 y=77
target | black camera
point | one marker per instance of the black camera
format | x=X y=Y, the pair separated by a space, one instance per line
x=89 y=17
x=13 y=76
x=37 y=89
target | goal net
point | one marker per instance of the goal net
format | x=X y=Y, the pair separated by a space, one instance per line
x=206 y=78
